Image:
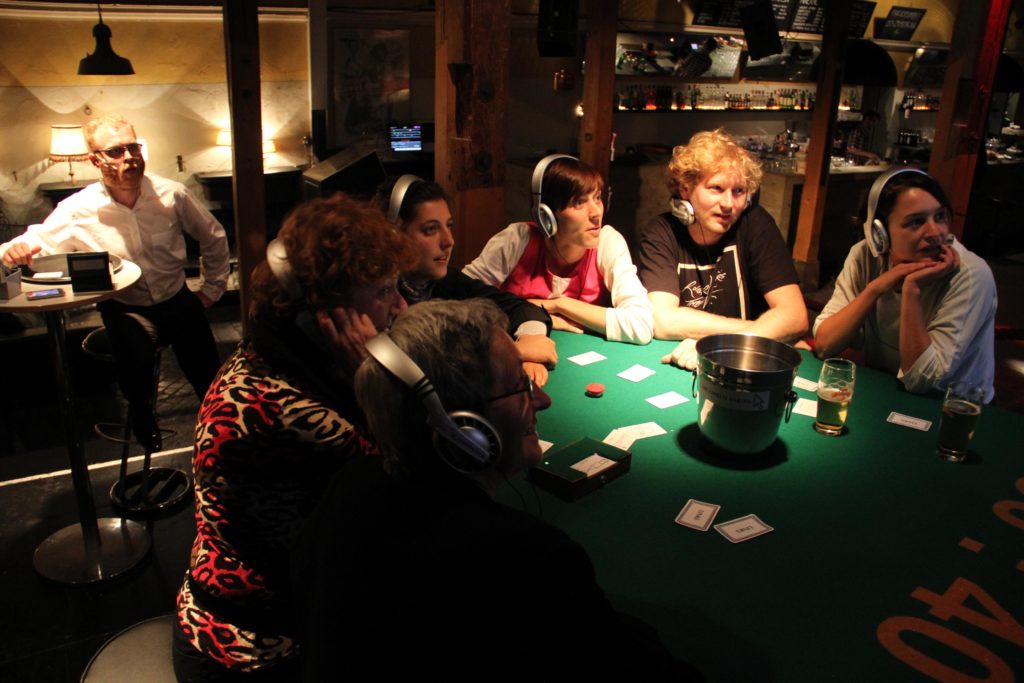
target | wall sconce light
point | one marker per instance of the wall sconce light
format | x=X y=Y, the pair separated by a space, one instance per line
x=67 y=143
x=224 y=140
x=104 y=61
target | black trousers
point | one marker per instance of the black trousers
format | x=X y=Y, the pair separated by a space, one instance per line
x=179 y=321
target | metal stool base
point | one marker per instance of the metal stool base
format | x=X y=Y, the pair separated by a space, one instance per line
x=168 y=489
x=64 y=558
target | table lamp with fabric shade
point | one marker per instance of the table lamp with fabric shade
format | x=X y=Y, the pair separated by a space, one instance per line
x=67 y=143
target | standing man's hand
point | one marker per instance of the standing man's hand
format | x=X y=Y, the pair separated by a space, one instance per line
x=20 y=254
x=205 y=300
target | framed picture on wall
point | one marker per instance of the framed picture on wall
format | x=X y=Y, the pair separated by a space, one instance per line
x=369 y=84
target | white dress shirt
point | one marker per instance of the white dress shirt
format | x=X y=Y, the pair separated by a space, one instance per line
x=149 y=234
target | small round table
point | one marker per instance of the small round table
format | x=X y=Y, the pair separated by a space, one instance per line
x=93 y=549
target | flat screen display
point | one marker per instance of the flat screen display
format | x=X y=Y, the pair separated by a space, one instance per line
x=406 y=138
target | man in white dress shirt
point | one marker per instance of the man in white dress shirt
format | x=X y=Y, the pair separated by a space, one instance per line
x=140 y=218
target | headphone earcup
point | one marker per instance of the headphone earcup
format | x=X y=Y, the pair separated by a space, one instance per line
x=547 y=221
x=682 y=209
x=477 y=429
x=877 y=237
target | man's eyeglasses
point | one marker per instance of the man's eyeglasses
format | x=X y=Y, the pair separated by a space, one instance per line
x=528 y=388
x=118 y=152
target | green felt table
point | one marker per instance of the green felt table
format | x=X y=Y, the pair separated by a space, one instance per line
x=886 y=563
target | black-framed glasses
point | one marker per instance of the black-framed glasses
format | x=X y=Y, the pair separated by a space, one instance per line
x=118 y=151
x=528 y=388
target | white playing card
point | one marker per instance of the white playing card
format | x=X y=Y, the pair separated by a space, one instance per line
x=805 y=384
x=592 y=464
x=908 y=421
x=544 y=445
x=637 y=373
x=586 y=358
x=667 y=400
x=697 y=515
x=743 y=528
x=620 y=438
x=806 y=406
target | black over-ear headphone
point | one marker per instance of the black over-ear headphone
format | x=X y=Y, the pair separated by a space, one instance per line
x=465 y=440
x=545 y=216
x=874 y=229
x=398 y=195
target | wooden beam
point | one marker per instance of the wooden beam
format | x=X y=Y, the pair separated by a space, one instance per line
x=823 y=126
x=599 y=85
x=966 y=96
x=242 y=47
x=470 y=103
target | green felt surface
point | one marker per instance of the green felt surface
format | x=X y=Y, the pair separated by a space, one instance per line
x=860 y=520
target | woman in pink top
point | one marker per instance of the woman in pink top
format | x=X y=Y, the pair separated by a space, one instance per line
x=566 y=260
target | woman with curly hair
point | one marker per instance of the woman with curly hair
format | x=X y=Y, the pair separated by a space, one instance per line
x=714 y=263
x=277 y=422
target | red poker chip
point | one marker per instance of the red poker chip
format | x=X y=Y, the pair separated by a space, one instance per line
x=595 y=390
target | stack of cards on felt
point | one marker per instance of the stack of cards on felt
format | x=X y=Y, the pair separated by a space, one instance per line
x=623 y=437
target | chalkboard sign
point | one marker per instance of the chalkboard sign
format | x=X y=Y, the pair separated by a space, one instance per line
x=727 y=12
x=901 y=23
x=860 y=17
x=809 y=16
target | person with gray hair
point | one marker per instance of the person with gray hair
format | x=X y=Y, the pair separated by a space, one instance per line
x=142 y=218
x=409 y=566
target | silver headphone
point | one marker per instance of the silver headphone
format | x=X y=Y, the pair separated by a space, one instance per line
x=682 y=209
x=545 y=216
x=874 y=229
x=277 y=259
x=398 y=195
x=467 y=441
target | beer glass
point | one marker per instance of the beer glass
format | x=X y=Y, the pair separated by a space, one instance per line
x=835 y=391
x=960 y=411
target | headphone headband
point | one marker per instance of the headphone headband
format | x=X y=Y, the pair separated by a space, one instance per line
x=545 y=216
x=474 y=436
x=402 y=186
x=875 y=231
x=277 y=259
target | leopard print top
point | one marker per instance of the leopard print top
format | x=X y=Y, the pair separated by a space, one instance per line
x=265 y=450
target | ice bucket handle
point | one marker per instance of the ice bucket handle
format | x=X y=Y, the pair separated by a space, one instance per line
x=693 y=384
x=790 y=402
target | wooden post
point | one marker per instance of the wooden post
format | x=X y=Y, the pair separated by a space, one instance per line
x=966 y=96
x=599 y=85
x=242 y=47
x=823 y=126
x=470 y=103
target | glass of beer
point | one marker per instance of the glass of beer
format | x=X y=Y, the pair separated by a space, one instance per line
x=835 y=391
x=960 y=411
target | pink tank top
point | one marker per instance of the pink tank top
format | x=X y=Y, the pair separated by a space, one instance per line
x=531 y=279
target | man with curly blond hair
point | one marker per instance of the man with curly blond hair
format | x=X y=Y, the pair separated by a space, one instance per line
x=714 y=264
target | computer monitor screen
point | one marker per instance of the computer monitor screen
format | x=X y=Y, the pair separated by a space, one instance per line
x=407 y=138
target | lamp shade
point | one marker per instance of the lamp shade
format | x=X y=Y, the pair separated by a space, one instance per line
x=67 y=143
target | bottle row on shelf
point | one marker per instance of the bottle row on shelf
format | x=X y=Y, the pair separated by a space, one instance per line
x=919 y=101
x=711 y=97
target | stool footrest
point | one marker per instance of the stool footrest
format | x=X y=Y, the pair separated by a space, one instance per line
x=166 y=489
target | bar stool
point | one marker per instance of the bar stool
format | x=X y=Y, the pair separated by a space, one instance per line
x=150 y=491
x=142 y=652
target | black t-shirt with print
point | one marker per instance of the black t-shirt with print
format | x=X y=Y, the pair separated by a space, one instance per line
x=734 y=274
